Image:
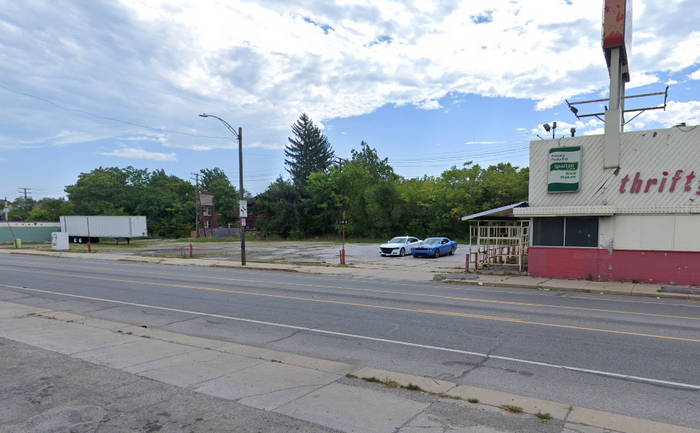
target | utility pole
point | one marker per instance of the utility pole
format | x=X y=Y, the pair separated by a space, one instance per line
x=196 y=204
x=26 y=192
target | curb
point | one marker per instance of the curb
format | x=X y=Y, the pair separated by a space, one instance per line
x=149 y=260
x=554 y=287
x=438 y=388
x=311 y=270
x=531 y=406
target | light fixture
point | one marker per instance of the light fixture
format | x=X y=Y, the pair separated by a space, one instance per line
x=573 y=132
x=573 y=109
x=547 y=127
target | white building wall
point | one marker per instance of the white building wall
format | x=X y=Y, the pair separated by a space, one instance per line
x=650 y=232
x=648 y=152
x=656 y=220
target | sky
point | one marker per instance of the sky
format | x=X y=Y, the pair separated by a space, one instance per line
x=429 y=84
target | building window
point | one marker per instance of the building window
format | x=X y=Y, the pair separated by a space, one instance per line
x=565 y=231
x=548 y=232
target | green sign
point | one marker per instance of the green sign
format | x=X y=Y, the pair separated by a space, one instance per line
x=564 y=169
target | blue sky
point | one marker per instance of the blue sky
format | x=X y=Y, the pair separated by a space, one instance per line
x=430 y=84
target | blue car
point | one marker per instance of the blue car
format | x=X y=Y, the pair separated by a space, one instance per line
x=435 y=247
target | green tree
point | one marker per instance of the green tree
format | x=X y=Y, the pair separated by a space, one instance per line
x=50 y=209
x=168 y=204
x=277 y=209
x=21 y=208
x=215 y=182
x=107 y=191
x=307 y=151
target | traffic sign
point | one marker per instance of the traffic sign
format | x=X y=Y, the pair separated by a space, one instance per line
x=243 y=208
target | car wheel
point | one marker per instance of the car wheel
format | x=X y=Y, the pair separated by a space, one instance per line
x=436 y=254
x=452 y=251
x=402 y=252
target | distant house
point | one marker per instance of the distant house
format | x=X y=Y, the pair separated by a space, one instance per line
x=207 y=216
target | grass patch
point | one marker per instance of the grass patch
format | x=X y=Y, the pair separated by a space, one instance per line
x=451 y=397
x=372 y=380
x=473 y=400
x=412 y=387
x=543 y=416
x=512 y=409
x=351 y=376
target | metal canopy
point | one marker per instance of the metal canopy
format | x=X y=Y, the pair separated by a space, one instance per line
x=503 y=211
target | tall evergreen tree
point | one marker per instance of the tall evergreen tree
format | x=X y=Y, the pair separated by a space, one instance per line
x=308 y=151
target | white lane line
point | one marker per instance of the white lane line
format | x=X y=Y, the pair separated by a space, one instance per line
x=486 y=289
x=668 y=302
x=383 y=340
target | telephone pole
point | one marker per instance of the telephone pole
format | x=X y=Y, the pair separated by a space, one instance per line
x=25 y=191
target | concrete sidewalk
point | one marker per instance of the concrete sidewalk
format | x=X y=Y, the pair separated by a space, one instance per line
x=404 y=274
x=318 y=394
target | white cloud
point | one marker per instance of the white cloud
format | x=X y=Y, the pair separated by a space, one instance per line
x=596 y=131
x=485 y=142
x=642 y=79
x=62 y=138
x=261 y=63
x=676 y=112
x=431 y=104
x=160 y=138
x=137 y=153
x=695 y=75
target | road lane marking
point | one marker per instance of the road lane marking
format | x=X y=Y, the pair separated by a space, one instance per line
x=383 y=307
x=479 y=289
x=377 y=339
x=423 y=295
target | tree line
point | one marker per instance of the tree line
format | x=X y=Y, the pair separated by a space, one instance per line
x=167 y=201
x=375 y=202
x=321 y=190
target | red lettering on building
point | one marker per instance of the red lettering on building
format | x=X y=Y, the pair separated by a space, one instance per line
x=663 y=182
x=633 y=185
x=676 y=178
x=689 y=178
x=623 y=183
x=636 y=184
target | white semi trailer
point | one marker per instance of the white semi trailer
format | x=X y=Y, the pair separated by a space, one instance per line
x=82 y=228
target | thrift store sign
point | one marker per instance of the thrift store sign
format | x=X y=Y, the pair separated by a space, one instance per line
x=564 y=169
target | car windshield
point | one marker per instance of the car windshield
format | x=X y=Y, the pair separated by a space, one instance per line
x=432 y=241
x=399 y=240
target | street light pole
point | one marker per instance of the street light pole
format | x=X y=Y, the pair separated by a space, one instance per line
x=240 y=191
x=238 y=134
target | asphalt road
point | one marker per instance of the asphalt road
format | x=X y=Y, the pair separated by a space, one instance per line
x=634 y=356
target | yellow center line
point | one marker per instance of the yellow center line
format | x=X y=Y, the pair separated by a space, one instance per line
x=380 y=307
x=423 y=295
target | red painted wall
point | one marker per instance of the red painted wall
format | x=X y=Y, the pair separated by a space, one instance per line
x=669 y=267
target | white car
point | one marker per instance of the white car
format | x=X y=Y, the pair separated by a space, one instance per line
x=399 y=246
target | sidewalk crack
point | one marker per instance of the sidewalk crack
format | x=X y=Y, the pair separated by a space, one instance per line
x=410 y=420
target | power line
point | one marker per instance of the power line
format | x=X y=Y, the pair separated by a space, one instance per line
x=25 y=191
x=111 y=119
